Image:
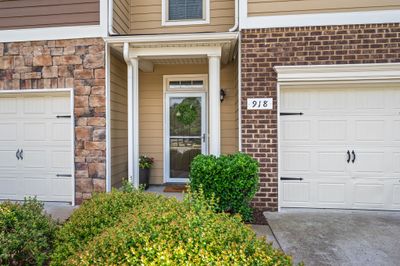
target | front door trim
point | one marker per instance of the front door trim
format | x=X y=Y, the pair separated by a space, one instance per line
x=198 y=92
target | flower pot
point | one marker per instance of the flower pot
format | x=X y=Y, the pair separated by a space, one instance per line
x=144 y=176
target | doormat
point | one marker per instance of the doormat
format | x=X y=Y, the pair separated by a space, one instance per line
x=175 y=188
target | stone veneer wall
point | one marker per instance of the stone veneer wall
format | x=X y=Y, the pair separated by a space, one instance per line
x=77 y=64
x=262 y=49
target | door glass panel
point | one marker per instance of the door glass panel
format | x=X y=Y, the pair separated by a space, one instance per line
x=185 y=135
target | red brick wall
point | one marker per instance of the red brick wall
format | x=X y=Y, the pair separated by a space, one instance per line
x=262 y=49
x=77 y=64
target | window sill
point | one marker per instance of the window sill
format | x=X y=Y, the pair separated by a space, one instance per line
x=185 y=22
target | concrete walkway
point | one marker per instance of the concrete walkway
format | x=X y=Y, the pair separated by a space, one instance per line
x=338 y=237
x=59 y=211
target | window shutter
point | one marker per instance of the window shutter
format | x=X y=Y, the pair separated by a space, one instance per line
x=185 y=9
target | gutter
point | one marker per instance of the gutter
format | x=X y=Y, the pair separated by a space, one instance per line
x=111 y=18
x=235 y=27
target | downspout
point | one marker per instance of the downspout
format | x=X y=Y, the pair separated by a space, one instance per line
x=111 y=18
x=235 y=27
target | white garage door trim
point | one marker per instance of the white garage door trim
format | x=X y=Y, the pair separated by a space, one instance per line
x=329 y=74
x=70 y=91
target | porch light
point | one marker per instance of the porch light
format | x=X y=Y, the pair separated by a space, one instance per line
x=222 y=95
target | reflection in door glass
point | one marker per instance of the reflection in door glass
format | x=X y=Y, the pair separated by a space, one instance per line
x=185 y=134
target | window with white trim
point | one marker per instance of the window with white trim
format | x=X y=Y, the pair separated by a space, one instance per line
x=185 y=12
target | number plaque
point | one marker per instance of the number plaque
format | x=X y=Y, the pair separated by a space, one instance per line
x=259 y=103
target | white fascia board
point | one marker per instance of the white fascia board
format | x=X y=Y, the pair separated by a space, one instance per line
x=320 y=19
x=348 y=72
x=53 y=33
x=173 y=38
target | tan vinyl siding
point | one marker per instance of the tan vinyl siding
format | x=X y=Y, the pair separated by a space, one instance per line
x=289 y=7
x=146 y=18
x=17 y=14
x=119 y=120
x=151 y=111
x=121 y=16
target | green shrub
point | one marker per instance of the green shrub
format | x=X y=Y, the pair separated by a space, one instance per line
x=163 y=231
x=233 y=179
x=26 y=234
x=91 y=219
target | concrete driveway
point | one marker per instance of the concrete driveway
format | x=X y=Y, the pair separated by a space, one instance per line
x=338 y=237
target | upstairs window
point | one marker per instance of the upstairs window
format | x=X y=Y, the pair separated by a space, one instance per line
x=185 y=12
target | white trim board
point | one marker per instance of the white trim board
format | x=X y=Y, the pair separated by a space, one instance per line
x=320 y=19
x=195 y=37
x=338 y=73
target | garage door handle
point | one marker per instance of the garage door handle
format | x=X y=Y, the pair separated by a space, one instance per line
x=21 y=154
x=63 y=175
x=17 y=154
x=348 y=156
x=292 y=178
x=354 y=156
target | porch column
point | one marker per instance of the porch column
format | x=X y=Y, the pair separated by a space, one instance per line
x=214 y=102
x=133 y=121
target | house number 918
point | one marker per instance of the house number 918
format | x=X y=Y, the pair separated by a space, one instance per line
x=259 y=103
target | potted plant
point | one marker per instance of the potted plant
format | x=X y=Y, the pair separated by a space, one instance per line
x=145 y=164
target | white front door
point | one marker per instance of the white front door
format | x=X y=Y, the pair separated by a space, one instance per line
x=344 y=151
x=35 y=147
x=185 y=133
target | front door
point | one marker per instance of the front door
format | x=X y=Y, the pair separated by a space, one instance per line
x=185 y=133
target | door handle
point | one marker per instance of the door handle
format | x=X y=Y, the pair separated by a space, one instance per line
x=348 y=156
x=203 y=137
x=17 y=154
x=354 y=156
x=21 y=154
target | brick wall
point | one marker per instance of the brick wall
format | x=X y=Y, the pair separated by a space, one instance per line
x=262 y=49
x=77 y=64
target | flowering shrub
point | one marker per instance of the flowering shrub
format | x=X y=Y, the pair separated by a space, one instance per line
x=145 y=162
x=26 y=234
x=148 y=229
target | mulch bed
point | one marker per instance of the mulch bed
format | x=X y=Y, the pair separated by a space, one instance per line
x=258 y=217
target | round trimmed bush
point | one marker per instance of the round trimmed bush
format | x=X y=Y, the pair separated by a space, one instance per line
x=231 y=179
x=163 y=231
x=26 y=233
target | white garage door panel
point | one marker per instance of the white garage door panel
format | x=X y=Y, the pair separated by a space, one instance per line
x=314 y=147
x=30 y=122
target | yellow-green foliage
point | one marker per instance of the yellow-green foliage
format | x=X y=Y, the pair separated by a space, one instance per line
x=26 y=233
x=162 y=231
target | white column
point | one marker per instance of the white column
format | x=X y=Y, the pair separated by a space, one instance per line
x=133 y=121
x=214 y=104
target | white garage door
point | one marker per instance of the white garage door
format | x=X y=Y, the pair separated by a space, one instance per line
x=35 y=146
x=344 y=151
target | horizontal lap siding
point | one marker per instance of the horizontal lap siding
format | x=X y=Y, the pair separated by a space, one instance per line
x=121 y=16
x=146 y=18
x=19 y=14
x=291 y=7
x=119 y=121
